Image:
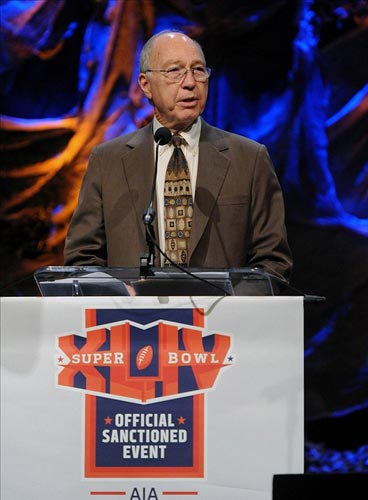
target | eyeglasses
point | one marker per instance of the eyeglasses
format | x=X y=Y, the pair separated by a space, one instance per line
x=200 y=73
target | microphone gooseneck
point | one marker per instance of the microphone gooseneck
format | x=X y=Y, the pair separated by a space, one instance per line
x=162 y=136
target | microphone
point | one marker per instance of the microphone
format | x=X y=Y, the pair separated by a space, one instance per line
x=162 y=136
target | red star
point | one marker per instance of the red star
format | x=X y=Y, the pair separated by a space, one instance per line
x=60 y=359
x=181 y=420
x=108 y=420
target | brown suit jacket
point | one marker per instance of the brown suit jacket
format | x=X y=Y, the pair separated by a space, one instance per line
x=238 y=218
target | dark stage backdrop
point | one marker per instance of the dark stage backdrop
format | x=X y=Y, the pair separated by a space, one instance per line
x=290 y=74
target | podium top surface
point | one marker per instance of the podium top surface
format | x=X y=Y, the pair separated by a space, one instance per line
x=120 y=281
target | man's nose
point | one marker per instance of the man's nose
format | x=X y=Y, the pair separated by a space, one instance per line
x=188 y=80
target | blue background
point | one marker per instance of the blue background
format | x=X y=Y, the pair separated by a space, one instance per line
x=290 y=74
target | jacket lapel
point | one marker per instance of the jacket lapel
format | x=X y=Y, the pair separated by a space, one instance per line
x=213 y=166
x=139 y=170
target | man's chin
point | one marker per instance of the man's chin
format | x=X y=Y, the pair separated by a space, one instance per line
x=184 y=119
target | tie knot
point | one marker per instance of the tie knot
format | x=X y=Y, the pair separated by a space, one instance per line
x=177 y=141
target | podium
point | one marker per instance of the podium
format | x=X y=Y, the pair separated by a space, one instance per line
x=150 y=396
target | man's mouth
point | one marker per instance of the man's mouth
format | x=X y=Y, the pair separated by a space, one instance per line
x=189 y=100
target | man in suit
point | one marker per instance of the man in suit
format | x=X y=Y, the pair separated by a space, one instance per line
x=238 y=210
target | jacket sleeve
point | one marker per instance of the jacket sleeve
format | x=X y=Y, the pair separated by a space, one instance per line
x=268 y=247
x=85 y=242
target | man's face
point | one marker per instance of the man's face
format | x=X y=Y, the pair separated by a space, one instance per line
x=177 y=104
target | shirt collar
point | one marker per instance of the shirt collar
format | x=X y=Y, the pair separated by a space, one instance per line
x=191 y=134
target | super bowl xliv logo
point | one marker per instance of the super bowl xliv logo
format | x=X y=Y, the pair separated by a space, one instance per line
x=144 y=374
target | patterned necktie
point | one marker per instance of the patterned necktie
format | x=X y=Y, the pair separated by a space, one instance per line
x=178 y=202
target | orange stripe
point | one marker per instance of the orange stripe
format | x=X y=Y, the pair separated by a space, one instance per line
x=180 y=492
x=90 y=317
x=198 y=434
x=90 y=436
x=198 y=317
x=108 y=493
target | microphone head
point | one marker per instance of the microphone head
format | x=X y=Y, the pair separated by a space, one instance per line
x=162 y=136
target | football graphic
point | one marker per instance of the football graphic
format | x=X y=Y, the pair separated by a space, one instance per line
x=144 y=357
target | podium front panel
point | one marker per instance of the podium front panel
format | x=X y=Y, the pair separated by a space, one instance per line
x=150 y=397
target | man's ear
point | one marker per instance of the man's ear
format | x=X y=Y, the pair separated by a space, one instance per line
x=145 y=85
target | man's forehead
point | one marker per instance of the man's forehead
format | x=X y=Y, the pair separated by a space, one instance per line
x=172 y=47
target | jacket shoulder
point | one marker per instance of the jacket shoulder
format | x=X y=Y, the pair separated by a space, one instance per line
x=123 y=142
x=231 y=139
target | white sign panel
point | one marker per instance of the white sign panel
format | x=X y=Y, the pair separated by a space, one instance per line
x=150 y=398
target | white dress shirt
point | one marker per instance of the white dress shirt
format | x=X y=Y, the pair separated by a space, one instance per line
x=190 y=150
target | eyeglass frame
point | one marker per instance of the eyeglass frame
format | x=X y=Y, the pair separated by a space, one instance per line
x=207 y=73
